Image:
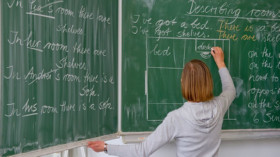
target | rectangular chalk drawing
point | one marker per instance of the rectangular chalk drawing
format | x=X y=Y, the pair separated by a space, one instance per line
x=165 y=60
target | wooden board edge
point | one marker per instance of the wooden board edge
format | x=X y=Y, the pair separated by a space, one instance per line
x=250 y=134
x=240 y=134
x=119 y=64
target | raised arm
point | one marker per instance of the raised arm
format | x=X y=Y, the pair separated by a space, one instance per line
x=228 y=94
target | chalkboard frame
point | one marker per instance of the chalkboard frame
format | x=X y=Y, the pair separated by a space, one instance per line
x=241 y=134
x=63 y=147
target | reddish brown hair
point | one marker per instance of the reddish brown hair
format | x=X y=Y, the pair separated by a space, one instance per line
x=196 y=82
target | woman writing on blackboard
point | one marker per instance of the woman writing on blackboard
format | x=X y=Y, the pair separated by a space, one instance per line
x=196 y=126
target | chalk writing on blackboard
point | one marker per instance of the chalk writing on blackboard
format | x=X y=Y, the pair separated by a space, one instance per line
x=165 y=39
x=58 y=62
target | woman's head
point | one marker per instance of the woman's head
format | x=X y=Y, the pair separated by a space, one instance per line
x=196 y=82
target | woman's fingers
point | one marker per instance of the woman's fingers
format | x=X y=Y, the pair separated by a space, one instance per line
x=97 y=146
x=212 y=52
x=218 y=56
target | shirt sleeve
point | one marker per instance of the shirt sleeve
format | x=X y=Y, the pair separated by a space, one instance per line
x=228 y=90
x=164 y=133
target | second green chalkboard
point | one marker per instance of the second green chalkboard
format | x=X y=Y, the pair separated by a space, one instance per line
x=159 y=37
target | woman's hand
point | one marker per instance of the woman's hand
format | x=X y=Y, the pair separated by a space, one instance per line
x=97 y=146
x=218 y=56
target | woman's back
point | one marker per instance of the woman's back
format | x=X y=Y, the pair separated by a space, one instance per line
x=198 y=125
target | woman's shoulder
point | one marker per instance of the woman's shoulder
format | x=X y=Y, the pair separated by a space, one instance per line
x=177 y=112
x=173 y=113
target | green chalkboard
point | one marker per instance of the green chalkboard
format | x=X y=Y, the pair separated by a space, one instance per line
x=58 y=72
x=160 y=36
